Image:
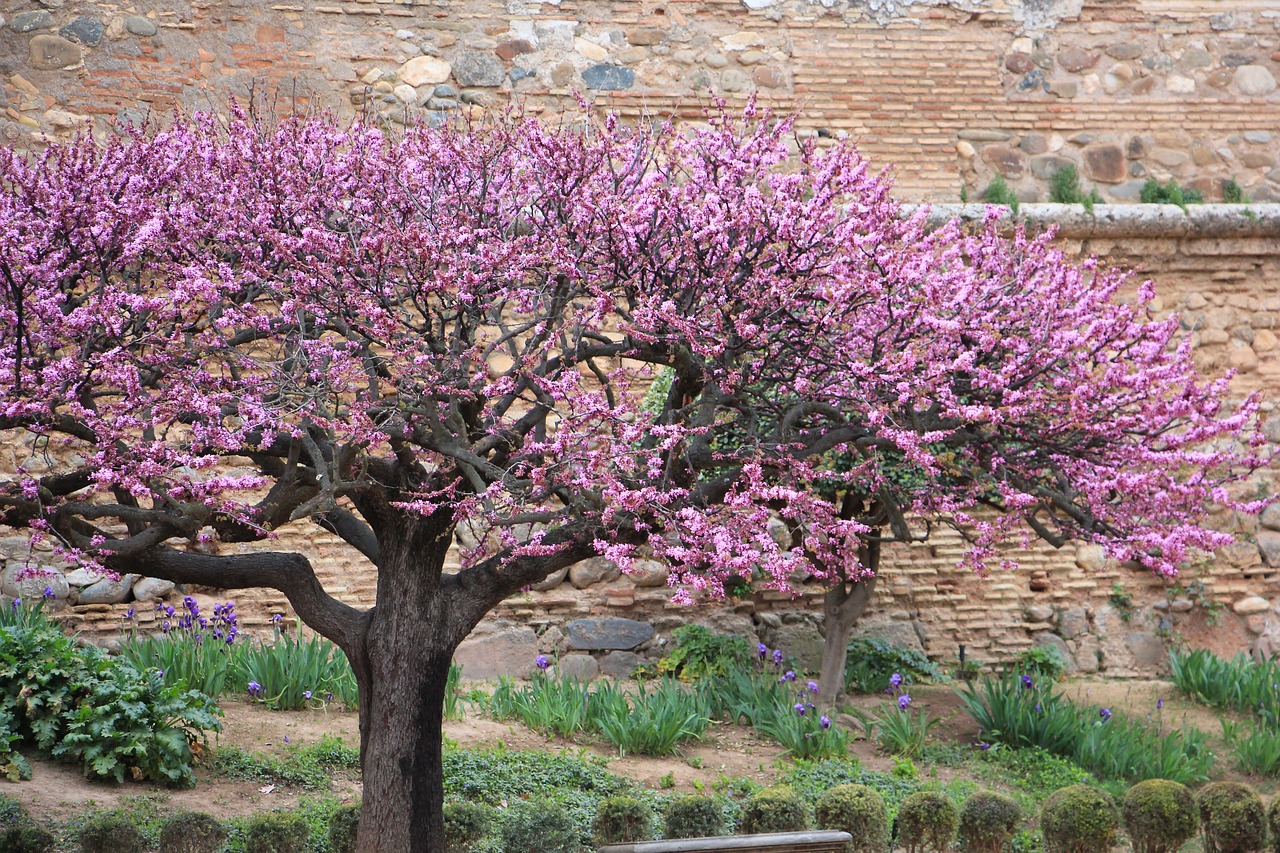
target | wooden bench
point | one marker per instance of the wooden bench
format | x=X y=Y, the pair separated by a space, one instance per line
x=825 y=841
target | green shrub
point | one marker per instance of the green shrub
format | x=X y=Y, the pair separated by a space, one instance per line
x=1233 y=193
x=465 y=823
x=620 y=820
x=1153 y=192
x=773 y=810
x=999 y=192
x=110 y=832
x=870 y=663
x=345 y=822
x=26 y=838
x=694 y=817
x=543 y=826
x=1042 y=662
x=1273 y=822
x=988 y=822
x=927 y=822
x=277 y=832
x=1232 y=818
x=1159 y=815
x=858 y=810
x=85 y=707
x=1079 y=819
x=192 y=832
x=698 y=654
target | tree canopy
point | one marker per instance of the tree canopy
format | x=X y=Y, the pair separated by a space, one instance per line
x=226 y=325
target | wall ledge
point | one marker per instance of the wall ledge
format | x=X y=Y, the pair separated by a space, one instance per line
x=1166 y=221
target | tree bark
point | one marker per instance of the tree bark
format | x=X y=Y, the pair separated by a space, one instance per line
x=842 y=607
x=402 y=666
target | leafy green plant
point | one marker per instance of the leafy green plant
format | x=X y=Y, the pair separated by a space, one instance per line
x=871 y=662
x=1232 y=818
x=1256 y=749
x=620 y=820
x=1079 y=819
x=927 y=822
x=576 y=783
x=311 y=767
x=1064 y=188
x=83 y=706
x=1023 y=711
x=902 y=732
x=1122 y=600
x=1238 y=684
x=294 y=672
x=779 y=706
x=1042 y=662
x=1160 y=816
x=773 y=810
x=542 y=826
x=554 y=706
x=653 y=720
x=1153 y=192
x=698 y=653
x=192 y=652
x=192 y=832
x=694 y=817
x=988 y=822
x=999 y=192
x=1233 y=193
x=277 y=832
x=859 y=811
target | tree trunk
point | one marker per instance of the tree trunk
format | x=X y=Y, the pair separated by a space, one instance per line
x=402 y=666
x=842 y=607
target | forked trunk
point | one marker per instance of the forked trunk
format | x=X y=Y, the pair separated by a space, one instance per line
x=842 y=607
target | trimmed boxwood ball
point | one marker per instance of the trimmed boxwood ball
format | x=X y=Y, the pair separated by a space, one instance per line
x=1079 y=819
x=110 y=833
x=538 y=825
x=859 y=811
x=1232 y=818
x=773 y=810
x=192 y=832
x=1159 y=815
x=620 y=820
x=26 y=838
x=692 y=816
x=1273 y=823
x=988 y=822
x=276 y=832
x=927 y=822
x=343 y=827
x=465 y=823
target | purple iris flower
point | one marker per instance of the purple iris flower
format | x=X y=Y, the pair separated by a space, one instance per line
x=800 y=708
x=895 y=680
x=541 y=662
x=903 y=701
x=1027 y=683
x=824 y=722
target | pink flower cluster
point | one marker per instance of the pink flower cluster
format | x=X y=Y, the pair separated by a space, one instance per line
x=224 y=326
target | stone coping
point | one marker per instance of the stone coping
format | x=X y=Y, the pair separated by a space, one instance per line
x=1167 y=221
x=824 y=841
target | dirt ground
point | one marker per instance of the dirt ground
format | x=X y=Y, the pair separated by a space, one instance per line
x=59 y=791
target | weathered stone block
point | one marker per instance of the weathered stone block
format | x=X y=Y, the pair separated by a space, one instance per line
x=607 y=633
x=107 y=591
x=1269 y=547
x=50 y=53
x=84 y=30
x=552 y=580
x=578 y=667
x=1255 y=81
x=473 y=68
x=609 y=77
x=423 y=71
x=151 y=589
x=509 y=652
x=621 y=664
x=25 y=22
x=1105 y=162
x=593 y=571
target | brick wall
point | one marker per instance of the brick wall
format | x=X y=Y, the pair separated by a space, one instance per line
x=951 y=92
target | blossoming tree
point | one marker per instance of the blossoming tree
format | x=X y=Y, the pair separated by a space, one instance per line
x=217 y=329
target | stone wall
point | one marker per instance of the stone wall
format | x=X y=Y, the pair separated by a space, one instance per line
x=951 y=91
